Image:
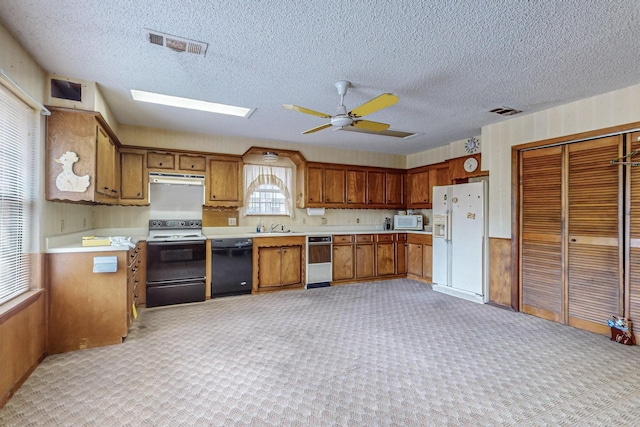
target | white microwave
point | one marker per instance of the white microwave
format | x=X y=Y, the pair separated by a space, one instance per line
x=407 y=222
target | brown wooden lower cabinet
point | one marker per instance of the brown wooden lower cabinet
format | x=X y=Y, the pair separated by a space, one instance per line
x=342 y=264
x=88 y=309
x=362 y=257
x=420 y=251
x=365 y=256
x=278 y=263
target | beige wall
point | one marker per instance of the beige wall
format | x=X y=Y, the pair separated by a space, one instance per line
x=16 y=62
x=598 y=112
x=440 y=154
x=149 y=137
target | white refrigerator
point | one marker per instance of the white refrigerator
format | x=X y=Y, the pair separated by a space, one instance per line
x=460 y=244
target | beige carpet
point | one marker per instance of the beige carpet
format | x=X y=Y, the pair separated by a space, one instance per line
x=390 y=353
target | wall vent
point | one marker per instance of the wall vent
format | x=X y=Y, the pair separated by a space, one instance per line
x=505 y=111
x=175 y=43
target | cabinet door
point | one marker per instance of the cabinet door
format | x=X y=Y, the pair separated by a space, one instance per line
x=269 y=268
x=419 y=187
x=375 y=188
x=192 y=163
x=415 y=259
x=395 y=188
x=105 y=155
x=356 y=187
x=385 y=259
x=224 y=181
x=343 y=262
x=365 y=261
x=334 y=185
x=133 y=178
x=314 y=185
x=401 y=257
x=438 y=176
x=427 y=255
x=291 y=265
x=157 y=160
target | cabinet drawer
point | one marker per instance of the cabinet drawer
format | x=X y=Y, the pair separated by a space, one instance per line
x=346 y=238
x=192 y=163
x=364 y=238
x=384 y=237
x=157 y=160
x=401 y=237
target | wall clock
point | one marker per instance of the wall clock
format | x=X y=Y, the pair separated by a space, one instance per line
x=472 y=145
x=471 y=164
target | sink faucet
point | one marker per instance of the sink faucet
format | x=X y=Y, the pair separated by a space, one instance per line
x=273 y=227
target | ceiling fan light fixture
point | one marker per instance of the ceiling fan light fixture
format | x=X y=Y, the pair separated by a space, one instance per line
x=269 y=157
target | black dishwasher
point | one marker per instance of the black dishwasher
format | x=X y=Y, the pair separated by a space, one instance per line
x=231 y=267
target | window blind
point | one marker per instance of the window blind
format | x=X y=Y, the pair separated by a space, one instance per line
x=17 y=193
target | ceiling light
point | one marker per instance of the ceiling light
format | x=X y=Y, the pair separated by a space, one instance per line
x=193 y=104
x=269 y=157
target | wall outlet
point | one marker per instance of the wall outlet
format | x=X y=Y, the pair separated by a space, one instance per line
x=232 y=221
x=357 y=220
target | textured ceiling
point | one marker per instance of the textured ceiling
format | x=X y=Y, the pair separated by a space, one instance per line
x=449 y=61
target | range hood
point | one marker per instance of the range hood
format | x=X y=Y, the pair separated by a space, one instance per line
x=175 y=179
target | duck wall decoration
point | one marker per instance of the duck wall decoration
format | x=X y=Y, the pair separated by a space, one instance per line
x=68 y=180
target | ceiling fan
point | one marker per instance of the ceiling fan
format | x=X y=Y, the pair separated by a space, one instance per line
x=342 y=119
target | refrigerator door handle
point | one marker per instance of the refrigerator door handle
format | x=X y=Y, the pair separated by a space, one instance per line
x=448 y=226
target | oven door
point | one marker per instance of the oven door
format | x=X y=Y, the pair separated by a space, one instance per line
x=168 y=261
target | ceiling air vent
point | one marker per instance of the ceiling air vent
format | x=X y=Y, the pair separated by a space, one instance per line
x=505 y=111
x=178 y=44
x=388 y=132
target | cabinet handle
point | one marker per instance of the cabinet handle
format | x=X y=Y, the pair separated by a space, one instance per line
x=160 y=163
x=138 y=194
x=573 y=240
x=214 y=196
x=105 y=188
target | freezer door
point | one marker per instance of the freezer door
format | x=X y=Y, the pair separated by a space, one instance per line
x=467 y=236
x=441 y=267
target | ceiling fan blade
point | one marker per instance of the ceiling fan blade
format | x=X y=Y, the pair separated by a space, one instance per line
x=383 y=101
x=305 y=110
x=316 y=129
x=369 y=125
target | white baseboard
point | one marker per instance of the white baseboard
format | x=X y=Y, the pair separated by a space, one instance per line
x=459 y=293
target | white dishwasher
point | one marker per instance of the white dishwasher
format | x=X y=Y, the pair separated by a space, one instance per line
x=319 y=267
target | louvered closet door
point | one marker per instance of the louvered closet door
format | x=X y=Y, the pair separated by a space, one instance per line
x=541 y=250
x=633 y=243
x=594 y=217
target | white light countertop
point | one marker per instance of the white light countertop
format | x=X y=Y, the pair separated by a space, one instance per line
x=73 y=242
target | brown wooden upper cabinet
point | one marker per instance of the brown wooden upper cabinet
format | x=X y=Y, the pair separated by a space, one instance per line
x=356 y=187
x=347 y=186
x=375 y=187
x=134 y=177
x=418 y=183
x=176 y=162
x=334 y=185
x=224 y=181
x=81 y=160
x=395 y=189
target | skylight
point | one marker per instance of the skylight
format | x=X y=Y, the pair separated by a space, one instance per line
x=193 y=104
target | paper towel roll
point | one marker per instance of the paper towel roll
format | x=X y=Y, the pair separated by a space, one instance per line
x=315 y=211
